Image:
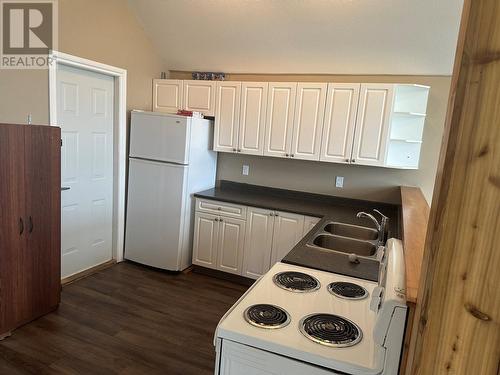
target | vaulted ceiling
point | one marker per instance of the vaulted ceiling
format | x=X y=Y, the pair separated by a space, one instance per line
x=304 y=36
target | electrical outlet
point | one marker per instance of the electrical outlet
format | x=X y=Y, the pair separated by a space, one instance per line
x=246 y=170
x=339 y=182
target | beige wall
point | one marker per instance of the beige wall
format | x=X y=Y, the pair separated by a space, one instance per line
x=370 y=183
x=104 y=31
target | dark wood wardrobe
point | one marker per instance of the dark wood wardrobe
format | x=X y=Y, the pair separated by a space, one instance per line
x=30 y=223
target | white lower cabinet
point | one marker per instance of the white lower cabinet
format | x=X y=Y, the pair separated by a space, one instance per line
x=288 y=231
x=257 y=253
x=230 y=246
x=205 y=241
x=218 y=242
x=249 y=245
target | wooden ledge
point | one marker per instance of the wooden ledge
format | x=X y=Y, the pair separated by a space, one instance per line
x=415 y=217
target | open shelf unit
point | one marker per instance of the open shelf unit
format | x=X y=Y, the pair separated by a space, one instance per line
x=407 y=126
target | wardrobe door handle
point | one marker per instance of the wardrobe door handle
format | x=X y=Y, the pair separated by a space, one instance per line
x=30 y=225
x=21 y=226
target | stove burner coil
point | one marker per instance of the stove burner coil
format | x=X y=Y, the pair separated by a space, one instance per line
x=296 y=281
x=330 y=330
x=267 y=316
x=347 y=290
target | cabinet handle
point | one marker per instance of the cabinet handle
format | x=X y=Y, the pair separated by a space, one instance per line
x=276 y=214
x=21 y=226
x=271 y=214
x=287 y=155
x=234 y=150
x=239 y=150
x=30 y=229
x=347 y=160
x=219 y=208
x=216 y=219
x=292 y=155
x=221 y=220
x=353 y=160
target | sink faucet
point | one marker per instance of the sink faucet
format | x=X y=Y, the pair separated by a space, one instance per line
x=381 y=227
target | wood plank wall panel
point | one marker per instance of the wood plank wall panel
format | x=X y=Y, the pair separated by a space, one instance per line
x=415 y=217
x=457 y=320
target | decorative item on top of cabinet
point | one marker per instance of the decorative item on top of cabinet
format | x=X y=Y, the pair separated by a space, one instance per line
x=308 y=121
x=199 y=96
x=167 y=95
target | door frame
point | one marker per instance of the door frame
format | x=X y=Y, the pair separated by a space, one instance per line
x=119 y=133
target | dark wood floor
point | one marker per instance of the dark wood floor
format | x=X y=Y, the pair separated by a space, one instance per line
x=125 y=320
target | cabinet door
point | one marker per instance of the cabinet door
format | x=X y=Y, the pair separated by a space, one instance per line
x=199 y=96
x=231 y=242
x=12 y=226
x=372 y=125
x=227 y=116
x=43 y=215
x=258 y=242
x=309 y=223
x=279 y=123
x=205 y=240
x=253 y=117
x=167 y=95
x=308 y=121
x=339 y=123
x=288 y=231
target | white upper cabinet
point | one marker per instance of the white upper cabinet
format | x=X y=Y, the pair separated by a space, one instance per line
x=253 y=117
x=279 y=119
x=407 y=126
x=199 y=96
x=227 y=117
x=372 y=125
x=339 y=122
x=308 y=121
x=167 y=95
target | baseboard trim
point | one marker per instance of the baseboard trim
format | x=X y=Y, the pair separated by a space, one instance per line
x=87 y=272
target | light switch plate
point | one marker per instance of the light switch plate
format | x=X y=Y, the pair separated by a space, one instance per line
x=339 y=182
x=246 y=170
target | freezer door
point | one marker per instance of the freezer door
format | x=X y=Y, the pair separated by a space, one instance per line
x=160 y=137
x=155 y=210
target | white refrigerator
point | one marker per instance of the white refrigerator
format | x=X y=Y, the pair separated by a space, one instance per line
x=170 y=158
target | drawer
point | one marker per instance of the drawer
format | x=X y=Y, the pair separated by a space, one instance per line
x=221 y=208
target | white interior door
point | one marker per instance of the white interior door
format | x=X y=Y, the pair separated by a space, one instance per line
x=85 y=115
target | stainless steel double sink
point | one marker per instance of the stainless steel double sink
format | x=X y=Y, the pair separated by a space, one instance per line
x=346 y=238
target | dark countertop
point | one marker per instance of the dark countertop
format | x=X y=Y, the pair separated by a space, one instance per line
x=336 y=208
x=330 y=208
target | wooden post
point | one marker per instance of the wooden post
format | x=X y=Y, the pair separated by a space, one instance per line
x=457 y=321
